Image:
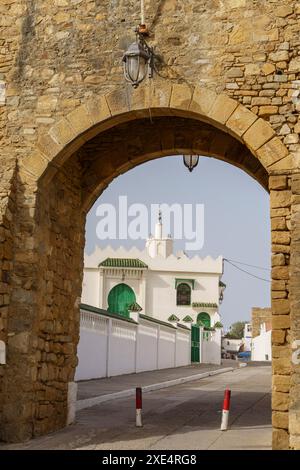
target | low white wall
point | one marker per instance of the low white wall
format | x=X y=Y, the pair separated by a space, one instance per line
x=262 y=347
x=109 y=346
x=147 y=347
x=92 y=347
x=211 y=347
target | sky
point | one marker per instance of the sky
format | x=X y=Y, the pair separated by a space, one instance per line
x=236 y=221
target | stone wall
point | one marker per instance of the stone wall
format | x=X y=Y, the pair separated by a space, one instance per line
x=259 y=316
x=61 y=56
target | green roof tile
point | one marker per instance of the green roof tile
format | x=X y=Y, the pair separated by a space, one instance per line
x=173 y=318
x=204 y=305
x=123 y=263
x=188 y=319
x=135 y=307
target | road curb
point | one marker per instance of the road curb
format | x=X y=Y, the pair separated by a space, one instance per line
x=89 y=402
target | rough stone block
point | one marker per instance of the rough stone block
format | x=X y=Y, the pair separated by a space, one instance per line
x=202 y=101
x=181 y=96
x=278 y=337
x=118 y=102
x=280 y=272
x=277 y=182
x=80 y=119
x=280 y=199
x=271 y=152
x=281 y=237
x=280 y=322
x=280 y=419
x=98 y=109
x=241 y=120
x=280 y=439
x=62 y=132
x=281 y=307
x=258 y=134
x=222 y=109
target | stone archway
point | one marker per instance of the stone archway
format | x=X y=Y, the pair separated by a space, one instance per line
x=72 y=164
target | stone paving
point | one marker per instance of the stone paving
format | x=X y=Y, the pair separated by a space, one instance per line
x=186 y=416
x=99 y=387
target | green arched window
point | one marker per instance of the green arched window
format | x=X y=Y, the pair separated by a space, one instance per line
x=183 y=294
x=204 y=318
x=119 y=299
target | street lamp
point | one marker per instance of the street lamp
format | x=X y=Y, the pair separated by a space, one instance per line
x=138 y=60
x=191 y=161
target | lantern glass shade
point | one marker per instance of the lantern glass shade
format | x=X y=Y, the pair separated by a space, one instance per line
x=135 y=60
x=190 y=161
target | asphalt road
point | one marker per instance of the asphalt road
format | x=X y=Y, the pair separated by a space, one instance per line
x=182 y=417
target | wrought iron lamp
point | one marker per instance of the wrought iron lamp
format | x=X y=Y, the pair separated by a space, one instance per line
x=191 y=161
x=138 y=60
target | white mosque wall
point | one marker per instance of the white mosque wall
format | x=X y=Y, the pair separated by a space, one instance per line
x=109 y=347
x=211 y=347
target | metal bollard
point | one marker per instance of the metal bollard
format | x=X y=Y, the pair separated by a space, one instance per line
x=138 y=407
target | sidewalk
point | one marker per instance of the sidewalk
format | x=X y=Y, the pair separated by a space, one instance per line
x=91 y=392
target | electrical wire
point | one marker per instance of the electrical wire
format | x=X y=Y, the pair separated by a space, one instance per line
x=246 y=272
x=245 y=264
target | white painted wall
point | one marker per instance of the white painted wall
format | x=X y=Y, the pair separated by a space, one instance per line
x=109 y=346
x=122 y=348
x=211 y=347
x=92 y=346
x=147 y=346
x=166 y=348
x=262 y=346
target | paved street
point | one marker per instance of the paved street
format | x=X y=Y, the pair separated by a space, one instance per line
x=185 y=416
x=99 y=387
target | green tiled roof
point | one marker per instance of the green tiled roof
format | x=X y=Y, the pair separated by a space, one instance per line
x=204 y=305
x=188 y=319
x=123 y=263
x=221 y=284
x=173 y=318
x=135 y=307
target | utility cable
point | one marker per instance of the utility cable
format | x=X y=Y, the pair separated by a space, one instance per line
x=246 y=272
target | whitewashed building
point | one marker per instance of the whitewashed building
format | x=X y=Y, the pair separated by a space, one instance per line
x=157 y=282
x=261 y=348
x=138 y=308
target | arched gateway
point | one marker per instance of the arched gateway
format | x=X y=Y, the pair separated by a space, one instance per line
x=55 y=163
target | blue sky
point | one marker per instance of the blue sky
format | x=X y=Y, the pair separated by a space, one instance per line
x=236 y=220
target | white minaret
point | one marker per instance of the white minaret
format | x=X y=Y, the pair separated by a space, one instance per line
x=159 y=245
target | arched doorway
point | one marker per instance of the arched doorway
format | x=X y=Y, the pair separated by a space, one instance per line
x=120 y=298
x=70 y=167
x=204 y=319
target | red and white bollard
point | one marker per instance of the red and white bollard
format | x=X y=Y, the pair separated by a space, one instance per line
x=138 y=407
x=225 y=412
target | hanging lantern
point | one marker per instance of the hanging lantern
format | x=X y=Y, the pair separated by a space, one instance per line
x=136 y=62
x=190 y=161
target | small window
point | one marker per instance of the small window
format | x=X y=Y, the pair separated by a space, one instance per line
x=183 y=294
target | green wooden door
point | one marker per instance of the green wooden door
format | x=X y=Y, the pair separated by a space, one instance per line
x=195 y=353
x=119 y=299
x=204 y=319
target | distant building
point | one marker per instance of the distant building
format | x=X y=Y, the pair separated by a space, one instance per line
x=247 y=338
x=261 y=334
x=231 y=347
